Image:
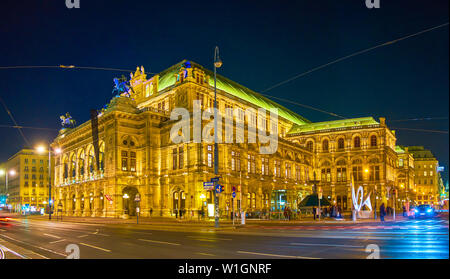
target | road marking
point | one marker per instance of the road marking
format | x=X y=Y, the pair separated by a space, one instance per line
x=4 y=249
x=202 y=237
x=56 y=241
x=40 y=255
x=328 y=245
x=97 y=233
x=51 y=235
x=84 y=235
x=161 y=242
x=274 y=255
x=95 y=247
x=205 y=254
x=45 y=249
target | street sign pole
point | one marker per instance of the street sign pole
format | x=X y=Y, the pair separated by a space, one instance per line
x=232 y=209
x=319 y=196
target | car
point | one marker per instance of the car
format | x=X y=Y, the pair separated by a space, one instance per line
x=4 y=219
x=424 y=211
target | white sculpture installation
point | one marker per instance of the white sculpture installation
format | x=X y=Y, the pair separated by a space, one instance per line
x=358 y=199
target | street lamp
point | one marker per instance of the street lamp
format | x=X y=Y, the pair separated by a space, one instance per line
x=42 y=149
x=5 y=173
x=217 y=64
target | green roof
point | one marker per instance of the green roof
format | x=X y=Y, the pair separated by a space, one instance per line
x=167 y=78
x=420 y=152
x=399 y=149
x=336 y=124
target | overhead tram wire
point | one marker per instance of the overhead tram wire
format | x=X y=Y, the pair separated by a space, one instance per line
x=354 y=54
x=14 y=121
x=68 y=67
x=421 y=130
x=419 y=119
x=27 y=127
x=305 y=106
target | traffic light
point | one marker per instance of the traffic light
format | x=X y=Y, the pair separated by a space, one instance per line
x=222 y=189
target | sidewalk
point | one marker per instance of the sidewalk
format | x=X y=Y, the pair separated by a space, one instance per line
x=158 y=221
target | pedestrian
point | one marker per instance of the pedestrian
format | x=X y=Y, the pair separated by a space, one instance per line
x=151 y=212
x=181 y=213
x=314 y=212
x=176 y=213
x=404 y=211
x=382 y=212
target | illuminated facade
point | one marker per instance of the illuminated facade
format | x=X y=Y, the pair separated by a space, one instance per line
x=361 y=148
x=27 y=181
x=426 y=175
x=136 y=154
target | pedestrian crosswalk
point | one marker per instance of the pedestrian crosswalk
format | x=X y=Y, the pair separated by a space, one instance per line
x=400 y=225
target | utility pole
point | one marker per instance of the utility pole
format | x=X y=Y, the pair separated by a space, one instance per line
x=217 y=64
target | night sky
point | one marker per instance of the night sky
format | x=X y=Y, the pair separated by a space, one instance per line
x=261 y=43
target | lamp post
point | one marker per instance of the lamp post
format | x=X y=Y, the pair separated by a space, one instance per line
x=217 y=64
x=41 y=149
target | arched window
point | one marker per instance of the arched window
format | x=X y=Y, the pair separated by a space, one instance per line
x=73 y=166
x=310 y=146
x=325 y=145
x=102 y=157
x=91 y=161
x=373 y=140
x=357 y=142
x=341 y=143
x=81 y=164
x=147 y=90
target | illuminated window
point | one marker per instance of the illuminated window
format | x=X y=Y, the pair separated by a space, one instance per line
x=326 y=175
x=288 y=170
x=341 y=174
x=210 y=156
x=181 y=157
x=265 y=166
x=174 y=157
x=124 y=160
x=132 y=161
x=147 y=90
x=251 y=165
x=277 y=168
x=235 y=161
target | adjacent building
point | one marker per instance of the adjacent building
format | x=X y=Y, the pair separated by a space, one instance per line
x=426 y=175
x=27 y=184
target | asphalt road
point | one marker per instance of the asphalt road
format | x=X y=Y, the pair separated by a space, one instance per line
x=408 y=239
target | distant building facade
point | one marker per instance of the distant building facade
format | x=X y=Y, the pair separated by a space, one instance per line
x=28 y=181
x=426 y=175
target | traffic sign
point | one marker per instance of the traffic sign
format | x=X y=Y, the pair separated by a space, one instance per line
x=215 y=179
x=219 y=188
x=208 y=185
x=108 y=197
x=233 y=189
x=234 y=195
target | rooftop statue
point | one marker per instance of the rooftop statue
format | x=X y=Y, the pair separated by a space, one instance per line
x=67 y=121
x=122 y=87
